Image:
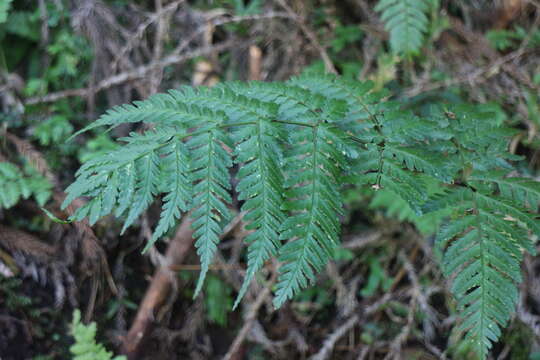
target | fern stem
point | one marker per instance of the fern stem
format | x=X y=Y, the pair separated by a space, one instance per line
x=352 y=137
x=237 y=124
x=315 y=167
x=185 y=136
x=484 y=275
x=309 y=225
x=378 y=129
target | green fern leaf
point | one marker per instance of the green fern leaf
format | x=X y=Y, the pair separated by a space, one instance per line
x=85 y=346
x=134 y=170
x=407 y=23
x=313 y=196
x=331 y=131
x=174 y=170
x=261 y=187
x=5 y=6
x=18 y=184
x=146 y=187
x=159 y=108
x=209 y=166
x=485 y=258
x=509 y=208
x=125 y=192
x=523 y=190
x=418 y=160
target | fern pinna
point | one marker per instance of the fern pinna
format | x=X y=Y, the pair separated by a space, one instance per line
x=292 y=147
x=407 y=23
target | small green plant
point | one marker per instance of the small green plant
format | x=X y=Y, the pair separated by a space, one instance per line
x=55 y=129
x=345 y=35
x=11 y=294
x=507 y=39
x=398 y=208
x=407 y=22
x=218 y=300
x=377 y=278
x=244 y=8
x=5 y=6
x=294 y=146
x=85 y=346
x=17 y=184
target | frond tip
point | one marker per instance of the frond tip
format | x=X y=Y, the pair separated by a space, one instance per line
x=483 y=251
x=315 y=202
x=407 y=23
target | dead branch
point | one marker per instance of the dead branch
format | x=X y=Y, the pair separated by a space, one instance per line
x=255 y=57
x=328 y=345
x=175 y=57
x=416 y=294
x=159 y=39
x=362 y=240
x=472 y=78
x=157 y=16
x=328 y=64
x=332 y=339
x=395 y=346
x=249 y=319
x=163 y=284
x=158 y=291
x=138 y=73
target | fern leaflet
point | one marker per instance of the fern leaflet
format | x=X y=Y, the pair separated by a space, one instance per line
x=407 y=23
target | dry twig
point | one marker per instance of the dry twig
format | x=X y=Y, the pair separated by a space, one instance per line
x=138 y=73
x=158 y=291
x=249 y=319
x=328 y=64
x=472 y=78
x=328 y=345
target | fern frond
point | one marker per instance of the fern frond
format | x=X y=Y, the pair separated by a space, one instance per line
x=260 y=177
x=401 y=126
x=295 y=103
x=261 y=187
x=313 y=197
x=146 y=188
x=485 y=257
x=85 y=346
x=159 y=108
x=511 y=209
x=209 y=170
x=364 y=105
x=407 y=23
x=395 y=205
x=418 y=160
x=523 y=190
x=128 y=177
x=10 y=177
x=295 y=144
x=177 y=186
x=18 y=184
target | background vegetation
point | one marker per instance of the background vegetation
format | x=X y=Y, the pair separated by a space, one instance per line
x=63 y=63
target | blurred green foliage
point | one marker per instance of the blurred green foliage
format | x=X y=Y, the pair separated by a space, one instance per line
x=5 y=5
x=18 y=184
x=218 y=300
x=85 y=347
